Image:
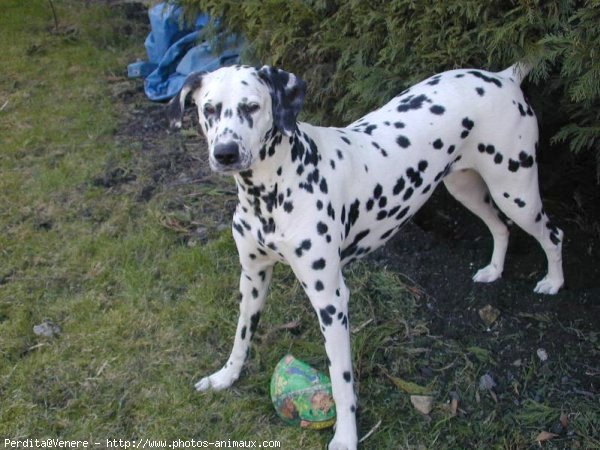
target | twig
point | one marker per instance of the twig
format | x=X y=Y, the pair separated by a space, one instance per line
x=54 y=15
x=286 y=326
x=361 y=326
x=373 y=430
x=4 y=105
x=41 y=344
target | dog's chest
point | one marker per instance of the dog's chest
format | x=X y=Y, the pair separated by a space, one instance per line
x=347 y=204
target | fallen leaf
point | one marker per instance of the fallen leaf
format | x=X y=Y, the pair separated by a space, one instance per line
x=545 y=436
x=451 y=407
x=422 y=403
x=489 y=314
x=564 y=420
x=454 y=403
x=407 y=386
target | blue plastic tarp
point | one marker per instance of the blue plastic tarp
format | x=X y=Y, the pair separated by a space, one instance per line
x=173 y=52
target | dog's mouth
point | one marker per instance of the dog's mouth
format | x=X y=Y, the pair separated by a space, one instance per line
x=230 y=168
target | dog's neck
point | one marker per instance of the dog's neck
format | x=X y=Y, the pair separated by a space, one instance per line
x=262 y=189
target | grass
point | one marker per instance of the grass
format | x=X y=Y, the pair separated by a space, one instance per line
x=143 y=314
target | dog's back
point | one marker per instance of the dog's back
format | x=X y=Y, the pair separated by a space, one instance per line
x=388 y=163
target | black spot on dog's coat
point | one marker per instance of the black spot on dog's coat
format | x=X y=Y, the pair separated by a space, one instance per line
x=411 y=103
x=468 y=123
x=288 y=207
x=403 y=141
x=438 y=110
x=369 y=129
x=305 y=245
x=399 y=186
x=322 y=228
x=326 y=314
x=254 y=319
x=513 y=165
x=486 y=78
x=319 y=264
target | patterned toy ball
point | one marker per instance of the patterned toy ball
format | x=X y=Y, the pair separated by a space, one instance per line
x=302 y=395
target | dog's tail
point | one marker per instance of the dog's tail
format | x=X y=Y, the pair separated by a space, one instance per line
x=518 y=71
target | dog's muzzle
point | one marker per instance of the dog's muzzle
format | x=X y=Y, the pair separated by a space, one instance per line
x=227 y=154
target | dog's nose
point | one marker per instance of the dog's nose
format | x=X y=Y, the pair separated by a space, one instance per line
x=227 y=154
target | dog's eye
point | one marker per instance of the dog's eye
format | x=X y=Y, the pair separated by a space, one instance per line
x=250 y=108
x=209 y=110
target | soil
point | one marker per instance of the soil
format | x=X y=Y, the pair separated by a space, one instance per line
x=437 y=253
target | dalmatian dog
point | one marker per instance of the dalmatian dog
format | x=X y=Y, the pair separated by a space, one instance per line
x=318 y=198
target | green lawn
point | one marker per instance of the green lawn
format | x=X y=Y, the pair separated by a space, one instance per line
x=143 y=314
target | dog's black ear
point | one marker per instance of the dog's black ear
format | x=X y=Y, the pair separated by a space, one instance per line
x=177 y=104
x=287 y=95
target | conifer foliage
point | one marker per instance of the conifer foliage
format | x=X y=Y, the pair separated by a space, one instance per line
x=357 y=54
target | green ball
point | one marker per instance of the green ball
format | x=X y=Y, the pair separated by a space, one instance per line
x=302 y=395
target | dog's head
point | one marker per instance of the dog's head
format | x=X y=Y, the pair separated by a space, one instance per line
x=240 y=108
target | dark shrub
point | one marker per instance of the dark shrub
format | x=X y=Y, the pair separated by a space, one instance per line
x=357 y=54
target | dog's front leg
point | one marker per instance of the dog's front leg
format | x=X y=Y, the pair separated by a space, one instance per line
x=254 y=283
x=329 y=297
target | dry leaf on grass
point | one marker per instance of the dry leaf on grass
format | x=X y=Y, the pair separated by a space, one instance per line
x=451 y=408
x=407 y=386
x=545 y=436
x=454 y=404
x=489 y=314
x=422 y=403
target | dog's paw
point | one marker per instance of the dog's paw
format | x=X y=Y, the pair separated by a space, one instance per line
x=487 y=274
x=343 y=440
x=548 y=286
x=220 y=380
x=340 y=445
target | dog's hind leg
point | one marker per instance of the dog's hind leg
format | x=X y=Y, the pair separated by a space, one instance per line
x=468 y=188
x=517 y=195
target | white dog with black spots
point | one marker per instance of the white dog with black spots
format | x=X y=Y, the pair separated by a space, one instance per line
x=317 y=198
